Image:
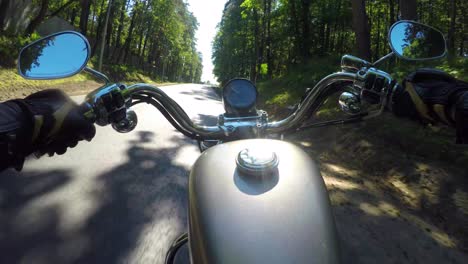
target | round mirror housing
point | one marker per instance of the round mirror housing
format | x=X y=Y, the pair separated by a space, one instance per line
x=56 y=56
x=411 y=40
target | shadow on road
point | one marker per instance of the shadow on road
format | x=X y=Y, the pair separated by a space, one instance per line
x=147 y=192
x=203 y=94
x=206 y=120
x=20 y=235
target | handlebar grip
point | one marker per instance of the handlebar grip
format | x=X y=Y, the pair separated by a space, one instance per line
x=88 y=112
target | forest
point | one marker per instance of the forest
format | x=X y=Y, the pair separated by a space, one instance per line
x=269 y=39
x=257 y=39
x=150 y=36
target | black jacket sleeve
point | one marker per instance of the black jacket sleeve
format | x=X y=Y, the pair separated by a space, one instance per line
x=14 y=126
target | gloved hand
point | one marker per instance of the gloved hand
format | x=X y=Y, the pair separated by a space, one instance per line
x=461 y=117
x=433 y=96
x=56 y=123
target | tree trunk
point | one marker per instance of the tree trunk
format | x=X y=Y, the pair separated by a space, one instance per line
x=4 y=7
x=118 y=41
x=148 y=34
x=99 y=28
x=106 y=22
x=306 y=39
x=268 y=42
x=408 y=9
x=298 y=45
x=85 y=10
x=377 y=41
x=464 y=30
x=391 y=7
x=128 y=41
x=361 y=27
x=451 y=32
x=93 y=17
x=60 y=9
x=256 y=60
x=39 y=18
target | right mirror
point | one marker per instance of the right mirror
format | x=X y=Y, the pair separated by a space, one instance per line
x=414 y=41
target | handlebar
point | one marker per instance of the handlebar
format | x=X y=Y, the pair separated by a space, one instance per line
x=171 y=110
x=145 y=93
x=310 y=104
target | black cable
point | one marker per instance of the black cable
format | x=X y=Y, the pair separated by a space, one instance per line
x=168 y=116
x=172 y=108
x=322 y=97
x=178 y=243
x=164 y=102
x=165 y=113
x=168 y=102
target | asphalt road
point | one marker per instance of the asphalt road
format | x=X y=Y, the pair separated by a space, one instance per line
x=121 y=198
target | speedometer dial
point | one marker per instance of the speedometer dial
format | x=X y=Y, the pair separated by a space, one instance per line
x=240 y=97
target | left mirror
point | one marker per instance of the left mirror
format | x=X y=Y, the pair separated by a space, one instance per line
x=57 y=56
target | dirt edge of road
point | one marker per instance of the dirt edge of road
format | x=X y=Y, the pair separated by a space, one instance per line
x=388 y=199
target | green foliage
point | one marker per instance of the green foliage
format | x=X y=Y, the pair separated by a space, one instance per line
x=288 y=89
x=154 y=37
x=285 y=35
x=127 y=73
x=10 y=47
x=11 y=80
x=266 y=39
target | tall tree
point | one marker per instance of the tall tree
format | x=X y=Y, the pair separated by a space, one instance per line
x=39 y=18
x=361 y=27
x=85 y=11
x=128 y=41
x=408 y=9
x=451 y=32
x=306 y=36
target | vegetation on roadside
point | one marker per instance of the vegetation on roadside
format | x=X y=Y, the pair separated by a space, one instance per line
x=12 y=80
x=287 y=90
x=267 y=40
x=144 y=37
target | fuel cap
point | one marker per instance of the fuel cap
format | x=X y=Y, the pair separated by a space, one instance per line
x=257 y=162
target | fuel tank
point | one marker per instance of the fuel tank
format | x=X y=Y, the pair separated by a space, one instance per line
x=259 y=201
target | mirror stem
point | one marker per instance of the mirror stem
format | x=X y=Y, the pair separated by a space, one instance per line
x=97 y=74
x=383 y=59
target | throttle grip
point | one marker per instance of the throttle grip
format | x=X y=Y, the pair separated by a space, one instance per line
x=88 y=112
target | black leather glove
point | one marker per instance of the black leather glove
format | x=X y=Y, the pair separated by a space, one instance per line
x=433 y=96
x=461 y=117
x=56 y=123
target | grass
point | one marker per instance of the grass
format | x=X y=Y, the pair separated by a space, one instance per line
x=11 y=79
x=287 y=90
x=14 y=86
x=125 y=73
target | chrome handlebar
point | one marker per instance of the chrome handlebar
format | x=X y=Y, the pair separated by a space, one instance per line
x=178 y=115
x=297 y=117
x=145 y=93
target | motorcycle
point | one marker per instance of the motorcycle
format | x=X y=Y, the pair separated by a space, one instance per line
x=252 y=198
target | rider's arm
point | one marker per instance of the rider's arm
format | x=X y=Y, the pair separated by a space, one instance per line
x=13 y=125
x=460 y=115
x=46 y=122
x=434 y=97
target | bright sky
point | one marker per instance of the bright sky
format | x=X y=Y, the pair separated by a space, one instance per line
x=208 y=14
